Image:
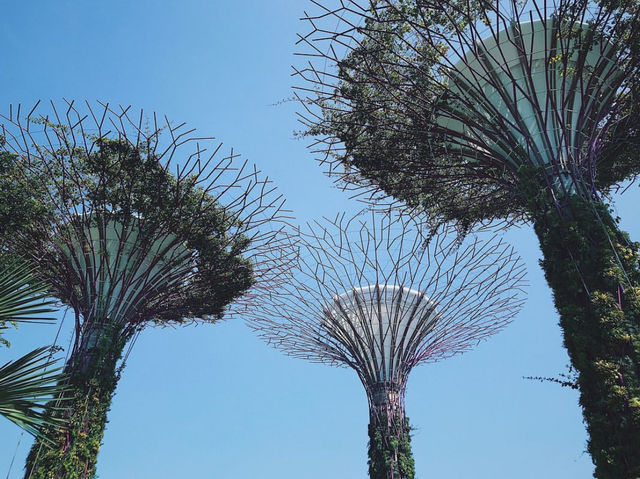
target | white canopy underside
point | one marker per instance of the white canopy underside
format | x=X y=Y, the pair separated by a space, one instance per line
x=528 y=90
x=117 y=270
x=381 y=325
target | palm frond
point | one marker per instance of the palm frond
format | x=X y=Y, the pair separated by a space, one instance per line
x=23 y=296
x=26 y=385
x=29 y=382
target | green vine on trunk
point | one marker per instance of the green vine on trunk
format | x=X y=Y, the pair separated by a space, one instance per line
x=390 y=455
x=86 y=405
x=597 y=294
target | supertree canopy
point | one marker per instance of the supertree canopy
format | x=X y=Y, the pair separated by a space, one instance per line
x=448 y=105
x=527 y=108
x=381 y=296
x=131 y=222
x=517 y=111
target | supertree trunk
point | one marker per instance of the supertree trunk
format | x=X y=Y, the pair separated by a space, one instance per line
x=92 y=379
x=597 y=295
x=390 y=455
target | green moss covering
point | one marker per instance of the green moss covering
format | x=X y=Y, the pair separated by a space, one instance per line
x=93 y=377
x=390 y=455
x=592 y=268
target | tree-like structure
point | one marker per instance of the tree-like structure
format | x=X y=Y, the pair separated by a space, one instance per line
x=525 y=111
x=380 y=296
x=136 y=224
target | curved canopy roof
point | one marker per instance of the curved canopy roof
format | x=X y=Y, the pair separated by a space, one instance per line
x=383 y=324
x=534 y=88
x=118 y=267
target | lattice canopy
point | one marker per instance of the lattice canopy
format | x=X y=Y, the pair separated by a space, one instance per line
x=118 y=267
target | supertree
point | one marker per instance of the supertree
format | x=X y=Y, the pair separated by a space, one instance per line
x=380 y=296
x=515 y=111
x=139 y=222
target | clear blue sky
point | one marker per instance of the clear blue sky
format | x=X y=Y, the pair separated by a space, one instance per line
x=213 y=401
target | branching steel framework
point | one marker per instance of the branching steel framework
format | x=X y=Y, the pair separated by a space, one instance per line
x=473 y=79
x=379 y=296
x=147 y=223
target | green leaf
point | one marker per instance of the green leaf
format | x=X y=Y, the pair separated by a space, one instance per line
x=23 y=297
x=26 y=385
x=29 y=382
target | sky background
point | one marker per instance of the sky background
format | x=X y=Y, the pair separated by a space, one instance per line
x=213 y=401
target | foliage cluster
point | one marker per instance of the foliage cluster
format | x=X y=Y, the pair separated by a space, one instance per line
x=390 y=447
x=598 y=298
x=92 y=377
x=125 y=182
x=379 y=120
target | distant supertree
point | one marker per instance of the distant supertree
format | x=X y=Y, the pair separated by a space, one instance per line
x=131 y=224
x=380 y=297
x=506 y=110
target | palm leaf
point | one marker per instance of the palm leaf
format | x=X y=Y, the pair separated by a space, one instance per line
x=29 y=382
x=26 y=385
x=23 y=297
